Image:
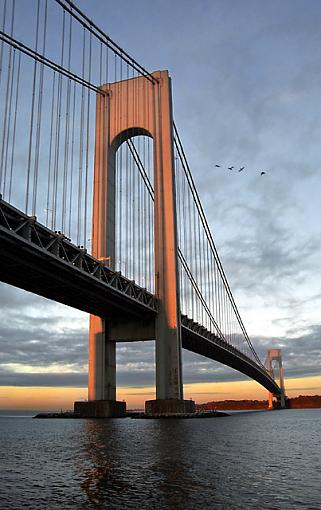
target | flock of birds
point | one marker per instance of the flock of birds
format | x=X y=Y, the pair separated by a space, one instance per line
x=240 y=169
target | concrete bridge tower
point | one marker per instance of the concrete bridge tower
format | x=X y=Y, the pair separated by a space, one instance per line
x=124 y=109
x=275 y=355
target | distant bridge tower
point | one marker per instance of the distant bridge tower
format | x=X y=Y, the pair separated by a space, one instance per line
x=275 y=355
x=125 y=109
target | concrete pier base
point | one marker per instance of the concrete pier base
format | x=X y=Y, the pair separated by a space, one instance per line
x=165 y=407
x=100 y=409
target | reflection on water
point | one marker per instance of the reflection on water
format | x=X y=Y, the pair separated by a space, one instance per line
x=102 y=479
x=245 y=461
x=140 y=458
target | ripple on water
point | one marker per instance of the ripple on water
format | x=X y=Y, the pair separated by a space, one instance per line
x=245 y=461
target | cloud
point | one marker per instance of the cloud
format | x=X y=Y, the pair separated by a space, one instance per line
x=36 y=335
x=38 y=380
x=136 y=363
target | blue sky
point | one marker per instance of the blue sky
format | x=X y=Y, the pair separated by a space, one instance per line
x=247 y=89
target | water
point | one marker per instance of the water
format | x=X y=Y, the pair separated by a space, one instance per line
x=258 y=460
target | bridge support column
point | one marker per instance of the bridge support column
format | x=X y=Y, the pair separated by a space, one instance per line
x=101 y=375
x=275 y=355
x=169 y=379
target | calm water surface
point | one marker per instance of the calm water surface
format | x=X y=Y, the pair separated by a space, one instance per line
x=260 y=460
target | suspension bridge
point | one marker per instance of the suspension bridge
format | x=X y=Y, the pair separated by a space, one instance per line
x=99 y=209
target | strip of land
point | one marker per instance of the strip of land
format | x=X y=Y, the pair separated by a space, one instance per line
x=301 y=402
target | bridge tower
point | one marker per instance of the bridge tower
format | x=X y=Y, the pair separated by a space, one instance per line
x=275 y=355
x=125 y=109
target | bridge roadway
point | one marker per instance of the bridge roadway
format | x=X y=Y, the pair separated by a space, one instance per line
x=36 y=259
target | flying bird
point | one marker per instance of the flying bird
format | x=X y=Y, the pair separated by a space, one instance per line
x=241 y=169
x=263 y=173
x=230 y=167
x=218 y=166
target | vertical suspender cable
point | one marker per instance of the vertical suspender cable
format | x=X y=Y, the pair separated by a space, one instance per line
x=39 y=114
x=2 y=42
x=132 y=219
x=6 y=151
x=87 y=144
x=72 y=158
x=6 y=121
x=139 y=223
x=14 y=126
x=32 y=113
x=50 y=146
x=81 y=143
x=58 y=132
x=67 y=136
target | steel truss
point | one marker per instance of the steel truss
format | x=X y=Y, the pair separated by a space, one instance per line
x=20 y=226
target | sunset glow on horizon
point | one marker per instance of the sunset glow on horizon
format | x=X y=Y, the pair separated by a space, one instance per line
x=56 y=398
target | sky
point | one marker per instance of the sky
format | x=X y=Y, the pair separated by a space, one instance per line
x=246 y=92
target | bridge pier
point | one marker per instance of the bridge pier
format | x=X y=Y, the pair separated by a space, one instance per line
x=101 y=361
x=169 y=381
x=102 y=401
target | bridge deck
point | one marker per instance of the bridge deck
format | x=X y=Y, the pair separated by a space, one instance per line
x=46 y=263
x=197 y=339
